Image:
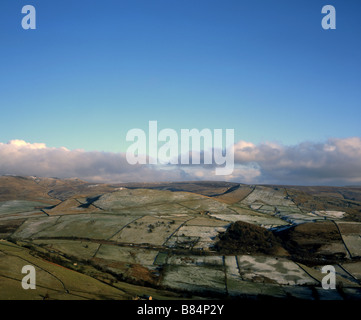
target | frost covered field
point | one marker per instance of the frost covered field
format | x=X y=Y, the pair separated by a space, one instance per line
x=178 y=240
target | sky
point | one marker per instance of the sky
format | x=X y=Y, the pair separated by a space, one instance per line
x=91 y=71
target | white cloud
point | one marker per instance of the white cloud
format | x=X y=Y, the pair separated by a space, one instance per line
x=24 y=144
x=337 y=161
x=23 y=158
x=334 y=162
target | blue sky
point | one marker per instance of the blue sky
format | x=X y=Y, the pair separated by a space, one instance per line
x=92 y=70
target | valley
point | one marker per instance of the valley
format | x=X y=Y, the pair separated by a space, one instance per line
x=181 y=240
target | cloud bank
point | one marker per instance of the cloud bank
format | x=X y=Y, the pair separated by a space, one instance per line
x=334 y=162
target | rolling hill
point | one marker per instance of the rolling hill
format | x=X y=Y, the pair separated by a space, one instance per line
x=178 y=240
